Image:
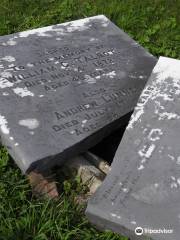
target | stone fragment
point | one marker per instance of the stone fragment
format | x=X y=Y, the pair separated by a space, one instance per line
x=140 y=197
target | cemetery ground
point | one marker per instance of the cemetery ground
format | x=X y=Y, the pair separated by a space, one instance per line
x=155 y=25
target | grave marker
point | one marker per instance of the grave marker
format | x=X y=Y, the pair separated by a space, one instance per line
x=142 y=190
x=65 y=87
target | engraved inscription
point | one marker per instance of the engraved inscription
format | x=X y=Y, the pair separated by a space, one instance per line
x=79 y=68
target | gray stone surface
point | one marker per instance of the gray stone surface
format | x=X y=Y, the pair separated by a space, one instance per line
x=64 y=87
x=143 y=187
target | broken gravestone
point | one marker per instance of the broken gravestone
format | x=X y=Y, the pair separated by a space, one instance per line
x=142 y=191
x=64 y=87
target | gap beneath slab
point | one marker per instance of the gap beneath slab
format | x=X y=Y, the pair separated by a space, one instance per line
x=91 y=166
x=106 y=149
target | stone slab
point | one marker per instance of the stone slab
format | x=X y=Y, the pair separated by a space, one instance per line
x=143 y=187
x=64 y=87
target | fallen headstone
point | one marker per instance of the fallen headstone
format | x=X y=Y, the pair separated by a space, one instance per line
x=140 y=197
x=65 y=87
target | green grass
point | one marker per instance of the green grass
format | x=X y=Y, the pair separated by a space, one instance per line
x=155 y=25
x=23 y=217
